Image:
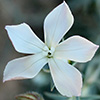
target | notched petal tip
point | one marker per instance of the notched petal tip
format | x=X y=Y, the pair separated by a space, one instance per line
x=64 y=2
x=24 y=68
x=79 y=94
x=4 y=80
x=76 y=48
x=9 y=26
x=67 y=79
x=6 y=27
x=94 y=49
x=15 y=78
x=24 y=39
x=97 y=46
x=57 y=23
x=68 y=8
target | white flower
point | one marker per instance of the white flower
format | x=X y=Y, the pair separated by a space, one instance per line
x=67 y=79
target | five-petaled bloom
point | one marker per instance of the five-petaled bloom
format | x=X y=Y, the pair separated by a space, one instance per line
x=67 y=79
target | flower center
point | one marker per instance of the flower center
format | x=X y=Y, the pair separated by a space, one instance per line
x=48 y=52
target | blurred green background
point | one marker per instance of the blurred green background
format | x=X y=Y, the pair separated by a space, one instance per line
x=33 y=12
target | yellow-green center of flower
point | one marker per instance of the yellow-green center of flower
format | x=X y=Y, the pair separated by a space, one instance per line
x=48 y=52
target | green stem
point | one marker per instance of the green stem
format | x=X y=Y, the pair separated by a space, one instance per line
x=77 y=98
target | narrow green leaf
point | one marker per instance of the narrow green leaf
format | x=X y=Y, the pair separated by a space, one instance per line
x=55 y=96
x=91 y=97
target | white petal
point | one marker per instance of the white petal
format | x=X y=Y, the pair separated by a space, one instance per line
x=24 y=39
x=67 y=79
x=57 y=23
x=25 y=67
x=77 y=49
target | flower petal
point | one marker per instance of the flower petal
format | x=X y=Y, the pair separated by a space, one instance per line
x=24 y=39
x=57 y=23
x=77 y=49
x=25 y=67
x=67 y=79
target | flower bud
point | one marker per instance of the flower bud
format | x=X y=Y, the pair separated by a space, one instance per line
x=29 y=96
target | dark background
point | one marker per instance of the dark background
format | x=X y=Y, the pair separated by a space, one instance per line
x=33 y=12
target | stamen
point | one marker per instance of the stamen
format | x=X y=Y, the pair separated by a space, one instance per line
x=48 y=52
